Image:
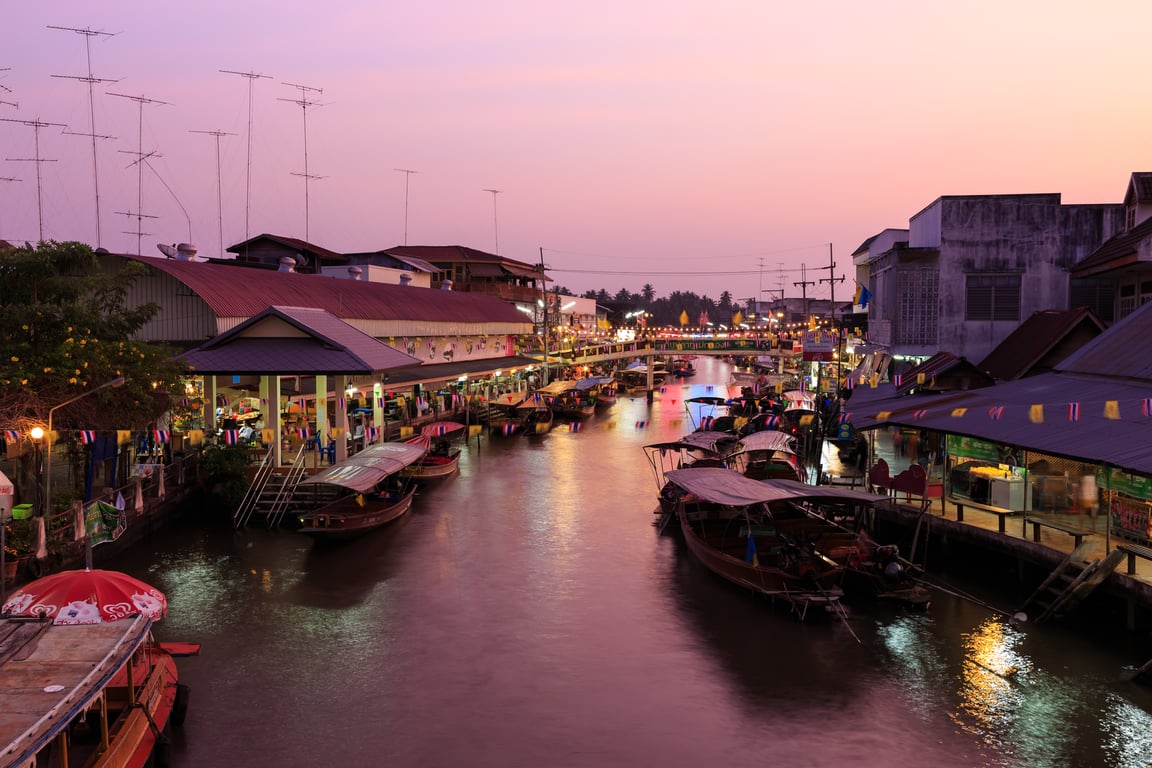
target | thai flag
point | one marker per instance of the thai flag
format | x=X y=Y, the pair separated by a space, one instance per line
x=231 y=436
x=844 y=418
x=641 y=424
x=263 y=401
x=574 y=426
x=303 y=433
x=87 y=436
x=897 y=381
x=184 y=402
x=996 y=412
x=160 y=436
x=380 y=402
x=772 y=422
x=373 y=433
x=918 y=415
x=849 y=383
x=1073 y=411
x=340 y=405
x=1146 y=407
x=12 y=435
x=441 y=429
x=509 y=429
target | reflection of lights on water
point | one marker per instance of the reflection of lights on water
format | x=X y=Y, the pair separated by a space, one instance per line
x=990 y=697
x=1126 y=733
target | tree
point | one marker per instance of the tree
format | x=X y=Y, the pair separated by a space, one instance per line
x=648 y=293
x=65 y=329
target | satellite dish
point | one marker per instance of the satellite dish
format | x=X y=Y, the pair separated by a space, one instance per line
x=167 y=250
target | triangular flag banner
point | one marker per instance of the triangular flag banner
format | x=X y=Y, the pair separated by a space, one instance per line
x=474 y=429
x=123 y=436
x=1036 y=414
x=336 y=432
x=883 y=415
x=1111 y=409
x=542 y=427
x=1073 y=411
x=806 y=420
x=195 y=436
x=405 y=432
x=958 y=413
x=919 y=378
x=780 y=388
x=266 y=436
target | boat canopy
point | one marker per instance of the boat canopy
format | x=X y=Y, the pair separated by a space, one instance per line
x=731 y=489
x=708 y=400
x=594 y=381
x=556 y=387
x=441 y=428
x=367 y=469
x=768 y=440
x=712 y=442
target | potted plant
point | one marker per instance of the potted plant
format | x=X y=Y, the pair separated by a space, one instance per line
x=18 y=545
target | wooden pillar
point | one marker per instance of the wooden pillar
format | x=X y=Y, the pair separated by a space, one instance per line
x=340 y=384
x=323 y=428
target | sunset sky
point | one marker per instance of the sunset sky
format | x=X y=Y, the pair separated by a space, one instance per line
x=693 y=146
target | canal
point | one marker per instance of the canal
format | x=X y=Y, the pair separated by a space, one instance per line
x=527 y=613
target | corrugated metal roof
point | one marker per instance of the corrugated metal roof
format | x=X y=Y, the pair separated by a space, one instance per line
x=291 y=242
x=448 y=254
x=1121 y=442
x=328 y=345
x=1022 y=349
x=233 y=291
x=1116 y=251
x=447 y=371
x=1119 y=352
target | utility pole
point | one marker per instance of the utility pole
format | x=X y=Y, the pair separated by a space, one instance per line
x=219 y=195
x=36 y=125
x=832 y=280
x=407 y=175
x=91 y=81
x=804 y=283
x=496 y=223
x=140 y=102
x=544 y=308
x=303 y=102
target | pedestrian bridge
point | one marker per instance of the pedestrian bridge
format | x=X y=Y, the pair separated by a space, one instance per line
x=715 y=347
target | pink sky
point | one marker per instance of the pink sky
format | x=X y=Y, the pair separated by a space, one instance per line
x=713 y=146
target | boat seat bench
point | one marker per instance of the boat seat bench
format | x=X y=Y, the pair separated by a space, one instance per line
x=1077 y=534
x=1134 y=551
x=1000 y=512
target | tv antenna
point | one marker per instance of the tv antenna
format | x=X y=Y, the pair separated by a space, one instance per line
x=219 y=205
x=91 y=81
x=304 y=102
x=140 y=102
x=161 y=178
x=407 y=175
x=36 y=125
x=6 y=89
x=252 y=77
x=804 y=283
x=495 y=221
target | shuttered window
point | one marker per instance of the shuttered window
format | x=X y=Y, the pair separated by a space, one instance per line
x=992 y=297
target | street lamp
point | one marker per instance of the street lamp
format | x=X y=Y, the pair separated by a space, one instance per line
x=47 y=508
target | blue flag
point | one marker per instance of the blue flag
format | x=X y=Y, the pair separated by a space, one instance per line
x=751 y=556
x=863 y=295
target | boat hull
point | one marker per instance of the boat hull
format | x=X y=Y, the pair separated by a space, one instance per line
x=347 y=519
x=433 y=468
x=799 y=584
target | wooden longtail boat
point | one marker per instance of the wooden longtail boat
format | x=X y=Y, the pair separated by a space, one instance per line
x=441 y=457
x=729 y=526
x=99 y=695
x=369 y=496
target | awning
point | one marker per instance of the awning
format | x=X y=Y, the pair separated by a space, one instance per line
x=420 y=374
x=731 y=489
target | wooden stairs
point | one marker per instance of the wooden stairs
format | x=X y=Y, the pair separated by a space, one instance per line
x=1072 y=581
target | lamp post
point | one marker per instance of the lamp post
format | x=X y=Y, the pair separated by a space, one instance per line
x=47 y=508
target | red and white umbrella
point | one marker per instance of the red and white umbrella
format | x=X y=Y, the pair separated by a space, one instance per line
x=87 y=596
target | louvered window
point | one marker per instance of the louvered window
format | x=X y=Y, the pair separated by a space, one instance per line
x=992 y=297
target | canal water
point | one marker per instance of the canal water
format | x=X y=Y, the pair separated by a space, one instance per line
x=528 y=613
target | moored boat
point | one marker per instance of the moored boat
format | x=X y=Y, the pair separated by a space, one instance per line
x=99 y=695
x=730 y=526
x=368 y=494
x=441 y=457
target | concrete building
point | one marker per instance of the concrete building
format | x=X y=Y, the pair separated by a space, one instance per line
x=973 y=267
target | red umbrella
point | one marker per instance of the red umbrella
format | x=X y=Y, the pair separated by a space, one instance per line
x=87 y=597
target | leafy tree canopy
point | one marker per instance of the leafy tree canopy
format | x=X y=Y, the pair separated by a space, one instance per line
x=65 y=329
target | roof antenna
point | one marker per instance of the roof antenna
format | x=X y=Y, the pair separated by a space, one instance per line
x=36 y=125
x=252 y=78
x=139 y=163
x=88 y=35
x=303 y=102
x=219 y=205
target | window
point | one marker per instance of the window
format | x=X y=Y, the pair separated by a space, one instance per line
x=992 y=297
x=917 y=306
